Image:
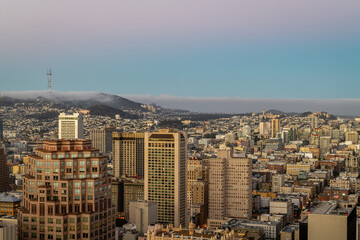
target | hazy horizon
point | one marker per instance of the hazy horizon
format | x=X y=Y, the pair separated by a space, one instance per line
x=345 y=107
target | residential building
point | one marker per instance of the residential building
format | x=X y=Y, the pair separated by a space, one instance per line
x=67 y=193
x=230 y=192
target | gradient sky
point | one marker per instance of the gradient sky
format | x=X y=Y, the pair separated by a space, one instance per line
x=202 y=48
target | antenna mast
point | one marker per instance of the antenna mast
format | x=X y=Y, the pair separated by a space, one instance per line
x=49 y=74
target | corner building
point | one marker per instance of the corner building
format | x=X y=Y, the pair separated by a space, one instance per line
x=67 y=194
x=165 y=175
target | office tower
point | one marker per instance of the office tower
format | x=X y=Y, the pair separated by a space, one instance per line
x=133 y=190
x=165 y=175
x=1 y=130
x=102 y=139
x=142 y=214
x=275 y=126
x=352 y=136
x=325 y=142
x=67 y=193
x=314 y=122
x=4 y=171
x=264 y=128
x=230 y=192
x=277 y=182
x=128 y=154
x=71 y=126
x=197 y=190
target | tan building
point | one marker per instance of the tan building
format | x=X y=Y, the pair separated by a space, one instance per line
x=275 y=126
x=166 y=175
x=230 y=186
x=290 y=233
x=284 y=207
x=102 y=139
x=9 y=204
x=328 y=221
x=277 y=182
x=142 y=214
x=67 y=193
x=8 y=230
x=71 y=126
x=128 y=154
x=352 y=136
x=4 y=171
x=294 y=169
x=197 y=189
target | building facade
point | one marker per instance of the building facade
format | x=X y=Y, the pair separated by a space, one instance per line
x=230 y=191
x=102 y=139
x=128 y=154
x=67 y=193
x=71 y=126
x=165 y=175
x=4 y=171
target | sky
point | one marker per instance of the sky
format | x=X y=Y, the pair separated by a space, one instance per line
x=257 y=49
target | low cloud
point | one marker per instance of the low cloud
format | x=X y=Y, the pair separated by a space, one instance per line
x=241 y=105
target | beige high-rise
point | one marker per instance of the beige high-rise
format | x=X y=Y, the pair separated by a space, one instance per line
x=197 y=189
x=67 y=193
x=128 y=154
x=71 y=126
x=275 y=126
x=230 y=186
x=4 y=171
x=165 y=175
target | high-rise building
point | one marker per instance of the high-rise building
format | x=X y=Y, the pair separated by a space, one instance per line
x=1 y=130
x=67 y=193
x=71 y=126
x=165 y=175
x=352 y=136
x=142 y=214
x=264 y=128
x=102 y=139
x=275 y=126
x=197 y=190
x=4 y=171
x=230 y=191
x=128 y=154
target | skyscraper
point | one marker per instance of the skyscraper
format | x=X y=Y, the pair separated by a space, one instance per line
x=128 y=154
x=1 y=130
x=165 y=175
x=67 y=193
x=71 y=126
x=275 y=126
x=4 y=171
x=230 y=186
x=197 y=189
x=102 y=139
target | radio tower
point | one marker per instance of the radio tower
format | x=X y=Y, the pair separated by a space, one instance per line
x=49 y=74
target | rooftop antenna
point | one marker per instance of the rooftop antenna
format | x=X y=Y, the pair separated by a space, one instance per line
x=49 y=74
